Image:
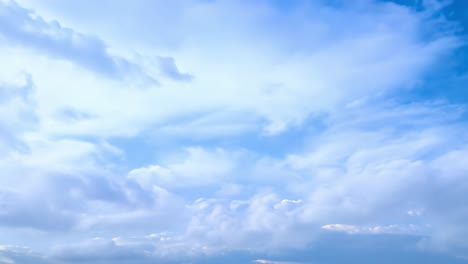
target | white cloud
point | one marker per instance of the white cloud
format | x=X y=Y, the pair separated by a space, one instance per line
x=6 y=260
x=13 y=254
x=274 y=86
x=391 y=229
x=372 y=162
x=197 y=167
x=264 y=261
x=259 y=223
x=23 y=27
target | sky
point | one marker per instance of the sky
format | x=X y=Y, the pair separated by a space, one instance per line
x=233 y=131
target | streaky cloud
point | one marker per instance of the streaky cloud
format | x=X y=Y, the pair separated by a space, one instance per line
x=22 y=26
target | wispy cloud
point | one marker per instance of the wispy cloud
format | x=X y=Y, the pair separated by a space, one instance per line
x=21 y=26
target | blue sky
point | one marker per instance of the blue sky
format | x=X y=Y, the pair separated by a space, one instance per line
x=196 y=131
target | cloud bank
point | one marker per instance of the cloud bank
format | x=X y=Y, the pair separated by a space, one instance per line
x=217 y=131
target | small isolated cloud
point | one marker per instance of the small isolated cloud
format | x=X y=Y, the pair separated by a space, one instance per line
x=390 y=229
x=264 y=261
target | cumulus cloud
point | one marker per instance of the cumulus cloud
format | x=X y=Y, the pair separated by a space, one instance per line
x=376 y=180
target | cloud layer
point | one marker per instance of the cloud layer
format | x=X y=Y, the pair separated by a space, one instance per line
x=204 y=131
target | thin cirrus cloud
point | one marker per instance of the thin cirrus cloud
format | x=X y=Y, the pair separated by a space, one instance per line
x=276 y=133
